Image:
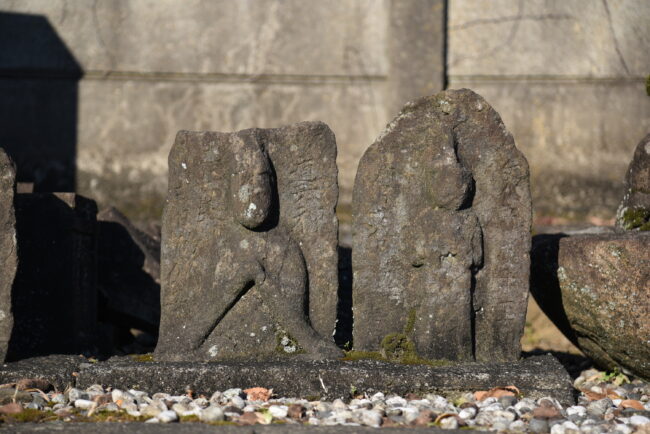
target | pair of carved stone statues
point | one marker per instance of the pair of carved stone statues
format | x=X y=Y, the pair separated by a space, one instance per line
x=441 y=214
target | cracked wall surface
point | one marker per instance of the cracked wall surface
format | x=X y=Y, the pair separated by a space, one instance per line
x=153 y=68
x=568 y=80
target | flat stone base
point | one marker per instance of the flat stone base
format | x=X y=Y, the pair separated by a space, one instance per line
x=535 y=376
x=193 y=428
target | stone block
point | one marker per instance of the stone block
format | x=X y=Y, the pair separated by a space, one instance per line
x=249 y=253
x=594 y=287
x=634 y=210
x=128 y=272
x=8 y=248
x=54 y=298
x=441 y=217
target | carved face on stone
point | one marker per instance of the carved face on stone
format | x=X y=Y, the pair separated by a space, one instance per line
x=252 y=183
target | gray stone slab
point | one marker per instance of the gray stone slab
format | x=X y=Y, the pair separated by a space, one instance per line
x=8 y=248
x=249 y=252
x=442 y=218
x=57 y=369
x=535 y=377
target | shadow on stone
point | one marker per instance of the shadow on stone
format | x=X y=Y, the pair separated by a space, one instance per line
x=344 y=319
x=544 y=284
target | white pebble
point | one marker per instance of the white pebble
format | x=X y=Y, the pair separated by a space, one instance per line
x=638 y=420
x=236 y=401
x=517 y=426
x=396 y=401
x=377 y=397
x=278 y=411
x=449 y=423
x=467 y=413
x=370 y=418
x=83 y=404
x=167 y=416
x=152 y=420
x=622 y=429
x=213 y=413
x=577 y=410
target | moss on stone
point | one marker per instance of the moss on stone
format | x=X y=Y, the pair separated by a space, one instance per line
x=647 y=85
x=410 y=322
x=636 y=217
x=142 y=357
x=287 y=344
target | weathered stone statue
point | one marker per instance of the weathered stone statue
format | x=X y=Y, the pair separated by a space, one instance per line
x=249 y=238
x=634 y=211
x=442 y=216
x=8 y=248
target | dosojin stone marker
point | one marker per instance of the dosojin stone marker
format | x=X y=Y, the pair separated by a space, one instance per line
x=441 y=220
x=249 y=245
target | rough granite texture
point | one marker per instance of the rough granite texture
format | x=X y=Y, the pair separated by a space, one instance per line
x=637 y=190
x=535 y=377
x=595 y=288
x=249 y=245
x=8 y=248
x=128 y=273
x=442 y=217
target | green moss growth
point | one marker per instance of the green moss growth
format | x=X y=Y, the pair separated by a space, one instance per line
x=354 y=355
x=222 y=423
x=142 y=357
x=636 y=218
x=29 y=415
x=410 y=322
x=397 y=347
x=189 y=418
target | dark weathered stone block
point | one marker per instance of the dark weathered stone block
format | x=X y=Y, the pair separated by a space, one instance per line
x=249 y=259
x=634 y=210
x=54 y=296
x=442 y=216
x=8 y=250
x=128 y=273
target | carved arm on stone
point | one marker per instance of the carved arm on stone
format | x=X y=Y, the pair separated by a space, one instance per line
x=251 y=187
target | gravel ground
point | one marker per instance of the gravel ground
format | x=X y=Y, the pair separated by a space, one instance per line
x=606 y=403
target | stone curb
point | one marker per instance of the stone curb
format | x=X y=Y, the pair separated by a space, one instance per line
x=535 y=376
x=111 y=427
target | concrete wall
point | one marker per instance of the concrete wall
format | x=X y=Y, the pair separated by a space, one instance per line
x=134 y=72
x=568 y=79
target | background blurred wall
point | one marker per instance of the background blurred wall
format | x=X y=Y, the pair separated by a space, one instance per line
x=153 y=67
x=568 y=78
x=99 y=88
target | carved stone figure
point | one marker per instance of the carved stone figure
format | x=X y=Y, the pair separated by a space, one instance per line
x=442 y=216
x=249 y=260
